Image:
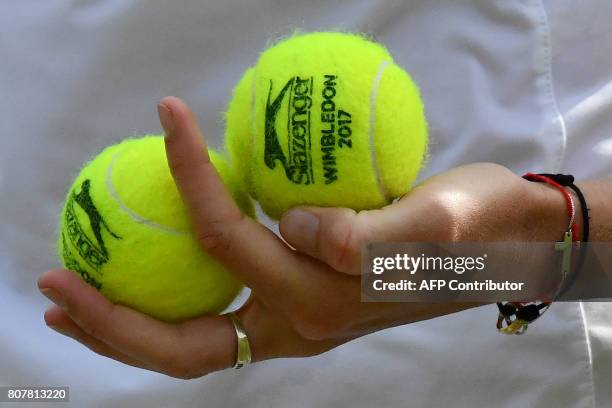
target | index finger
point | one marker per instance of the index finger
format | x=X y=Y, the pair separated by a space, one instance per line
x=253 y=253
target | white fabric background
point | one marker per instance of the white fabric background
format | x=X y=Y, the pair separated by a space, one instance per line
x=527 y=84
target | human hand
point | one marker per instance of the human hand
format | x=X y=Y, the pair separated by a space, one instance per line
x=304 y=301
x=482 y=202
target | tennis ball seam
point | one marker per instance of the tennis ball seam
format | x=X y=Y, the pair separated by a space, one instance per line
x=127 y=210
x=373 y=96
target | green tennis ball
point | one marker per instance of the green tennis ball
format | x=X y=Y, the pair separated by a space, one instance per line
x=125 y=230
x=326 y=119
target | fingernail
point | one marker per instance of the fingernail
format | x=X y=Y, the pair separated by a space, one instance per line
x=166 y=119
x=302 y=227
x=54 y=296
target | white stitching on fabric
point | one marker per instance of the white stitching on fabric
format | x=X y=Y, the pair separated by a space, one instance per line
x=589 y=349
x=554 y=165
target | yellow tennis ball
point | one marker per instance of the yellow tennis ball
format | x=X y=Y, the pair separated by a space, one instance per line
x=125 y=230
x=326 y=119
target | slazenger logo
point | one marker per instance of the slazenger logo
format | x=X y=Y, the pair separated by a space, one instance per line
x=297 y=162
x=93 y=251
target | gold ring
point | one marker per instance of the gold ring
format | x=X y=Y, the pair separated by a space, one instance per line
x=243 y=351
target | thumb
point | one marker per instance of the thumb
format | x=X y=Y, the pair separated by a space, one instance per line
x=332 y=235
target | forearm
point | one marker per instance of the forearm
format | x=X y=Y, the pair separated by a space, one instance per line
x=598 y=194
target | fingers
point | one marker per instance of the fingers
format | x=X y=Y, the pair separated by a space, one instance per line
x=333 y=235
x=191 y=167
x=272 y=336
x=176 y=350
x=59 y=321
x=258 y=258
x=336 y=235
x=194 y=348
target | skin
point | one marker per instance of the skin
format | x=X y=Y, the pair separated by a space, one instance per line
x=305 y=298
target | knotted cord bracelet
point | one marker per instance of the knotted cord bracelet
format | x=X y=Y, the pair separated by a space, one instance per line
x=567 y=180
x=517 y=316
